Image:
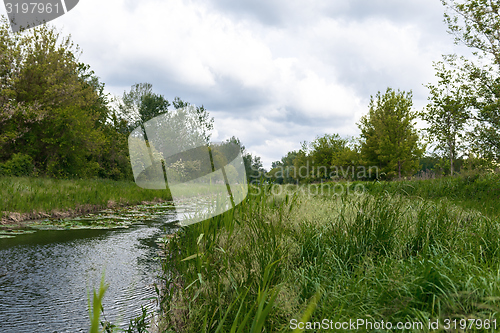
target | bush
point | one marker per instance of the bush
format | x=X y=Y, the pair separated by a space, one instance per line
x=19 y=165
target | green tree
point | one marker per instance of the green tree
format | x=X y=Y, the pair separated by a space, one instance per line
x=315 y=161
x=283 y=171
x=389 y=138
x=302 y=164
x=485 y=137
x=55 y=115
x=253 y=164
x=253 y=167
x=347 y=161
x=141 y=104
x=15 y=118
x=53 y=110
x=475 y=23
x=205 y=122
x=322 y=152
x=448 y=112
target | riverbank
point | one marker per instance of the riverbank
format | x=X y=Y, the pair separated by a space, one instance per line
x=280 y=260
x=29 y=198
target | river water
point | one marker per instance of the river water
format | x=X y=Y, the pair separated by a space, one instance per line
x=45 y=277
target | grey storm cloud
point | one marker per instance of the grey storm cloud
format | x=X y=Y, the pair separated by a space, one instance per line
x=226 y=94
x=294 y=12
x=345 y=56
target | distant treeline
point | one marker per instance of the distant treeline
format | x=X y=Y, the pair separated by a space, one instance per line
x=56 y=120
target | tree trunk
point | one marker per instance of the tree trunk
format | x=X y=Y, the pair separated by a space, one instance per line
x=399 y=169
x=451 y=149
x=451 y=164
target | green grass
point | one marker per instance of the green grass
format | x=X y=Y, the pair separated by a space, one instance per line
x=390 y=257
x=475 y=191
x=35 y=195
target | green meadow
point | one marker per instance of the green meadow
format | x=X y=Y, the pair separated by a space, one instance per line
x=411 y=253
x=40 y=197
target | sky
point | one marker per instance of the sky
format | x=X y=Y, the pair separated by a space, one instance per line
x=272 y=73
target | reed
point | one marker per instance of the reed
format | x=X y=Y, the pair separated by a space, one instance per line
x=276 y=259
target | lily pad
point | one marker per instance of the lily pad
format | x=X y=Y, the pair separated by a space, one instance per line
x=120 y=218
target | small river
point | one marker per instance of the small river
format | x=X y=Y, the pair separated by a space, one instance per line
x=45 y=276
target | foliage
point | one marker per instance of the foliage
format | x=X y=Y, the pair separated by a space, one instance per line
x=323 y=152
x=18 y=165
x=448 y=112
x=348 y=159
x=485 y=137
x=53 y=108
x=205 y=123
x=253 y=164
x=253 y=167
x=139 y=324
x=475 y=23
x=326 y=157
x=389 y=139
x=428 y=162
x=283 y=171
x=140 y=104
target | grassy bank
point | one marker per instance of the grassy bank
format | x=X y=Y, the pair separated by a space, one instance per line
x=476 y=191
x=383 y=257
x=30 y=197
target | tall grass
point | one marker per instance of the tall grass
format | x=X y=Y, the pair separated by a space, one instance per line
x=474 y=190
x=30 y=194
x=95 y=308
x=280 y=258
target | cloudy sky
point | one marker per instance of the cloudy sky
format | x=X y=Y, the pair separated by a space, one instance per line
x=272 y=73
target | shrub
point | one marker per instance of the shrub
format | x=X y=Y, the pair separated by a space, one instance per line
x=19 y=165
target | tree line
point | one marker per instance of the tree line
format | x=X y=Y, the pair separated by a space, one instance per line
x=462 y=116
x=56 y=120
